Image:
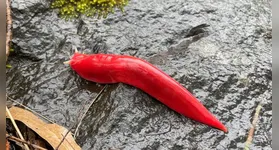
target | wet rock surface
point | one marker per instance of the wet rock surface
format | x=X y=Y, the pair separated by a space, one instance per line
x=220 y=51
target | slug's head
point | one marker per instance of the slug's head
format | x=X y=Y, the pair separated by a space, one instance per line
x=76 y=60
x=85 y=65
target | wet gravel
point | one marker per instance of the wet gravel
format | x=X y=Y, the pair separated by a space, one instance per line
x=218 y=50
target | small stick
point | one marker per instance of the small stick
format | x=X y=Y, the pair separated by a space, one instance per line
x=30 y=110
x=9 y=26
x=88 y=109
x=252 y=129
x=15 y=139
x=64 y=137
x=17 y=130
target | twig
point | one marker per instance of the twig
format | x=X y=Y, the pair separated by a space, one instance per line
x=15 y=139
x=89 y=108
x=30 y=110
x=64 y=137
x=252 y=129
x=14 y=124
x=9 y=27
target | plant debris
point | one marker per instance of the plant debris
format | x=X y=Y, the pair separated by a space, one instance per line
x=52 y=133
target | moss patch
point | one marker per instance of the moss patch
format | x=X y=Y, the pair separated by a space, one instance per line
x=90 y=8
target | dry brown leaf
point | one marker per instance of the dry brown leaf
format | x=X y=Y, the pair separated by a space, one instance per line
x=52 y=133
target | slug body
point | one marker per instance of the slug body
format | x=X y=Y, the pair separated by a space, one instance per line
x=110 y=68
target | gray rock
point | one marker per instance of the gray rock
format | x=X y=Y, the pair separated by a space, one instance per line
x=226 y=64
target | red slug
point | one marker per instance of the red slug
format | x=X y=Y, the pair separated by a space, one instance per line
x=110 y=68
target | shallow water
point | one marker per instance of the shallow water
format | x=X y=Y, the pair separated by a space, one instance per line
x=220 y=51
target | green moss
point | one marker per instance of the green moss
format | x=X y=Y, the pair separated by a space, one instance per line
x=90 y=8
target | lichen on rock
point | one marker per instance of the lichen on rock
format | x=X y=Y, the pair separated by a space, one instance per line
x=90 y=8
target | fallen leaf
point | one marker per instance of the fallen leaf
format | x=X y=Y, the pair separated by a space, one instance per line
x=52 y=133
